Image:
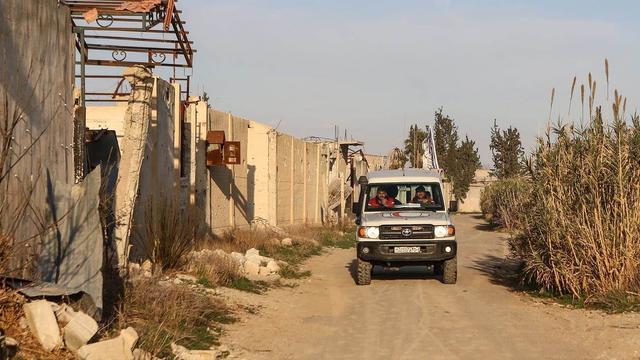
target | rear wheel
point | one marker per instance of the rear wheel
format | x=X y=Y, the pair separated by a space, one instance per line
x=364 y=272
x=449 y=271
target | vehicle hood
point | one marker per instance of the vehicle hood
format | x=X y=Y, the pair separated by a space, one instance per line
x=405 y=218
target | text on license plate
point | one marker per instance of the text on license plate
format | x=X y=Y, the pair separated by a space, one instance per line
x=406 y=249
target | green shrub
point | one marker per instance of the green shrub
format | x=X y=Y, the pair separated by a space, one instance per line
x=504 y=202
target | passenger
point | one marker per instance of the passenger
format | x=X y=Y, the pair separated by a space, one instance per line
x=422 y=196
x=382 y=200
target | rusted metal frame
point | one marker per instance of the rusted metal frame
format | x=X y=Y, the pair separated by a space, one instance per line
x=182 y=37
x=131 y=63
x=127 y=38
x=114 y=19
x=144 y=49
x=127 y=29
x=113 y=94
x=168 y=16
x=102 y=76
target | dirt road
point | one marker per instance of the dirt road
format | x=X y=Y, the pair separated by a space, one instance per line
x=411 y=315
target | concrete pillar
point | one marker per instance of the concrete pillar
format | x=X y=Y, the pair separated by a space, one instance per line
x=316 y=218
x=291 y=183
x=305 y=170
x=342 y=202
x=177 y=132
x=232 y=176
x=136 y=135
x=273 y=177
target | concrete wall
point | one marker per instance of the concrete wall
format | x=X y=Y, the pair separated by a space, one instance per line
x=472 y=203
x=36 y=87
x=376 y=162
x=282 y=180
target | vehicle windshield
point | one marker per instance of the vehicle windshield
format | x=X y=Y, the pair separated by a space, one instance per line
x=405 y=196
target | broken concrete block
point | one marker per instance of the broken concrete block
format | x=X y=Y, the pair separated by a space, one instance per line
x=119 y=348
x=286 y=242
x=263 y=271
x=183 y=353
x=64 y=314
x=220 y=252
x=256 y=259
x=186 y=277
x=42 y=322
x=273 y=266
x=79 y=331
x=238 y=257
x=252 y=252
x=251 y=268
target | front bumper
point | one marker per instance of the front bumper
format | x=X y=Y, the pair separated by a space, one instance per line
x=430 y=250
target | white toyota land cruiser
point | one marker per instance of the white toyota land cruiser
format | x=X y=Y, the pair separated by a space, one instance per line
x=403 y=220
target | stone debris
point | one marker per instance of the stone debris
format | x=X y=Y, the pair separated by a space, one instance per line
x=214 y=353
x=119 y=348
x=286 y=242
x=251 y=268
x=238 y=257
x=187 y=278
x=273 y=267
x=252 y=252
x=64 y=313
x=79 y=331
x=43 y=324
x=251 y=264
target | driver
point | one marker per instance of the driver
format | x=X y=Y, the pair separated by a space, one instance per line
x=422 y=196
x=382 y=200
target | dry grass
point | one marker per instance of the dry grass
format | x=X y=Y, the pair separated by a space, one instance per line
x=169 y=232
x=241 y=240
x=165 y=314
x=215 y=270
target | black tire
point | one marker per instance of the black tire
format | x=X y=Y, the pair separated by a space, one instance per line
x=449 y=271
x=364 y=272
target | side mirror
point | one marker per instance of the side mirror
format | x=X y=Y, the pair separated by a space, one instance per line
x=363 y=180
x=356 y=208
x=453 y=206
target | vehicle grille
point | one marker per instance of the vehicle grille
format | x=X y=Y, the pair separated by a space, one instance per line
x=395 y=232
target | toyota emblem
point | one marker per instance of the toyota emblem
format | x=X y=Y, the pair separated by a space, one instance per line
x=406 y=232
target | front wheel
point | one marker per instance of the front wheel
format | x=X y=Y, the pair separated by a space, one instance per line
x=449 y=271
x=364 y=272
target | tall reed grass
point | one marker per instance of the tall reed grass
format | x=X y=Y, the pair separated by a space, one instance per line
x=580 y=226
x=577 y=227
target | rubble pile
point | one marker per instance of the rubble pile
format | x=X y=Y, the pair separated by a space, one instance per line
x=251 y=264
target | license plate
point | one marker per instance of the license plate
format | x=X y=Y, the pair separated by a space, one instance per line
x=406 y=249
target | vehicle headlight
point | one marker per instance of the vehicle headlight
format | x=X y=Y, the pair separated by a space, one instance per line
x=370 y=232
x=441 y=231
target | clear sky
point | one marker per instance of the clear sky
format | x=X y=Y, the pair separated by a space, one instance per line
x=375 y=67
